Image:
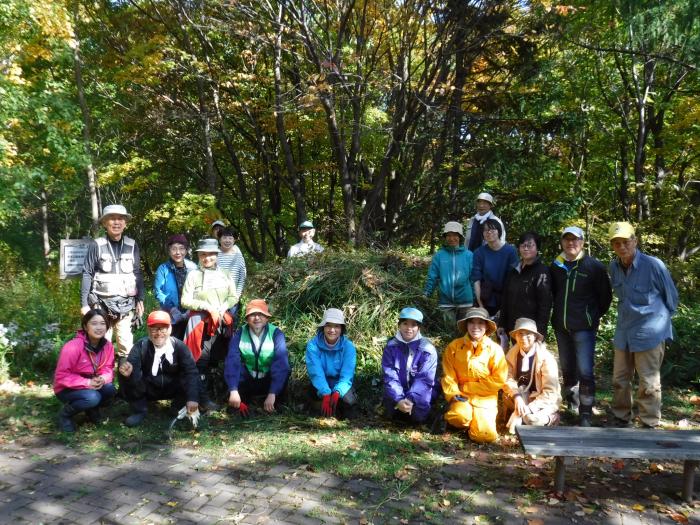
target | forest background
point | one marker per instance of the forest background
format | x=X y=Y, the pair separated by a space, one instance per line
x=378 y=120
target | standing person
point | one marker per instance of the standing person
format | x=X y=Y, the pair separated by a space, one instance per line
x=474 y=370
x=330 y=363
x=647 y=299
x=306 y=242
x=257 y=362
x=112 y=279
x=531 y=392
x=159 y=367
x=449 y=271
x=216 y=228
x=170 y=279
x=85 y=371
x=492 y=261
x=582 y=295
x=475 y=226
x=210 y=294
x=528 y=289
x=231 y=259
x=409 y=364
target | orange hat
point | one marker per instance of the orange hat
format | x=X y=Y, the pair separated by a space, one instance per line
x=257 y=305
x=158 y=317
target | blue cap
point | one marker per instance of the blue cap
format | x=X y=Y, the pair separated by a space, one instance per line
x=306 y=225
x=411 y=313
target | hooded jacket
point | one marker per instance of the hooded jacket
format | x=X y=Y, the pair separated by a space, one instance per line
x=75 y=365
x=450 y=269
x=416 y=384
x=330 y=369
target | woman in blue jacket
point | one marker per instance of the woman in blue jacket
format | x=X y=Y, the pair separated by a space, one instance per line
x=450 y=270
x=409 y=364
x=330 y=363
x=169 y=280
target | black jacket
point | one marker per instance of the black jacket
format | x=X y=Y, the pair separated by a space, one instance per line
x=183 y=371
x=582 y=295
x=527 y=293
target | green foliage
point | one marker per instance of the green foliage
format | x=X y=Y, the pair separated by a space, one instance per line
x=682 y=363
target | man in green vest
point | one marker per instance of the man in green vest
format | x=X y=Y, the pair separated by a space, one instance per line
x=257 y=363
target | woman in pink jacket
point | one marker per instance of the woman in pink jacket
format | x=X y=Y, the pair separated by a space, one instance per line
x=84 y=372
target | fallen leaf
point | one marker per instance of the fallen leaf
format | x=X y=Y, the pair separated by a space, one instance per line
x=530 y=510
x=638 y=507
x=695 y=400
x=656 y=467
x=619 y=464
x=552 y=501
x=171 y=503
x=678 y=517
x=535 y=521
x=654 y=497
x=445 y=503
x=534 y=482
x=363 y=521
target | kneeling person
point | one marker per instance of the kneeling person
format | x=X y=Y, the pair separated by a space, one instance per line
x=159 y=367
x=474 y=370
x=409 y=364
x=532 y=389
x=257 y=362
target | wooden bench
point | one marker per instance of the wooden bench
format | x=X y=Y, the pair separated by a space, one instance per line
x=565 y=443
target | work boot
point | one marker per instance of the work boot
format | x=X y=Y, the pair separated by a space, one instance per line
x=65 y=418
x=139 y=409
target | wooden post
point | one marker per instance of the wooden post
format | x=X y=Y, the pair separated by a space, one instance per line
x=688 y=479
x=559 y=471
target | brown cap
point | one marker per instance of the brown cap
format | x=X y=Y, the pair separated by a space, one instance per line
x=257 y=305
x=476 y=313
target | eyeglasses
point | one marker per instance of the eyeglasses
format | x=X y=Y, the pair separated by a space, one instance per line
x=159 y=328
x=528 y=245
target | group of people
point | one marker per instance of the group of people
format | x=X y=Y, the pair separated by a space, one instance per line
x=574 y=292
x=486 y=287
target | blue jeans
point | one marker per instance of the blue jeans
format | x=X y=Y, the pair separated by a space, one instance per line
x=576 y=351
x=86 y=398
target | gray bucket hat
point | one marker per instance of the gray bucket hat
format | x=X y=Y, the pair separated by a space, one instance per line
x=453 y=227
x=523 y=323
x=115 y=209
x=332 y=315
x=208 y=245
x=476 y=313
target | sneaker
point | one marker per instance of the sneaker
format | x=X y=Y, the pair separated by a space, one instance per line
x=135 y=419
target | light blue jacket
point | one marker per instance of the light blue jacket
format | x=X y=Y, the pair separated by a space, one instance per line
x=647 y=300
x=451 y=268
x=330 y=369
x=165 y=285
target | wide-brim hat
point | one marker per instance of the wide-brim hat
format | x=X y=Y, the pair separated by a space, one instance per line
x=115 y=209
x=257 y=306
x=620 y=230
x=486 y=197
x=476 y=313
x=208 y=245
x=453 y=227
x=332 y=315
x=523 y=323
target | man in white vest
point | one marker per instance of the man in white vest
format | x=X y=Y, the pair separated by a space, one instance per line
x=112 y=278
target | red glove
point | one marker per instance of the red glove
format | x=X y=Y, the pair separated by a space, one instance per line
x=326 y=408
x=243 y=410
x=334 y=401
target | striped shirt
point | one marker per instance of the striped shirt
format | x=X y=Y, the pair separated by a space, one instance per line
x=234 y=264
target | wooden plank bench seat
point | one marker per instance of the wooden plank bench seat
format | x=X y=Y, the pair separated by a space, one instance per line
x=565 y=443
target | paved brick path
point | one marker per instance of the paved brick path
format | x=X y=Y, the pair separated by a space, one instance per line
x=45 y=482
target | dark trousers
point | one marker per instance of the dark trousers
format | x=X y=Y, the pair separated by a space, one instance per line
x=346 y=407
x=250 y=388
x=86 y=398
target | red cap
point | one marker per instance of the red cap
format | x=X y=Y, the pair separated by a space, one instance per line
x=158 y=317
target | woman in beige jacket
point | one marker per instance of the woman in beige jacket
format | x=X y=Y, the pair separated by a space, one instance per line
x=531 y=391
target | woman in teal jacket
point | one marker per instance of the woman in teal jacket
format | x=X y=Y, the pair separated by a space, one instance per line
x=450 y=271
x=330 y=363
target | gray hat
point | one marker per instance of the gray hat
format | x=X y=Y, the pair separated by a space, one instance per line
x=306 y=225
x=573 y=230
x=523 y=323
x=208 y=245
x=332 y=315
x=115 y=209
x=476 y=313
x=453 y=227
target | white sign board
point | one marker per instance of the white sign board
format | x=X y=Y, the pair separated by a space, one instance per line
x=73 y=252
